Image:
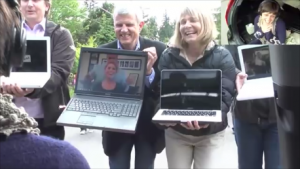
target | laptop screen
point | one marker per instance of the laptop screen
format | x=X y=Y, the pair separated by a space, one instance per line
x=257 y=62
x=35 y=59
x=191 y=89
x=111 y=74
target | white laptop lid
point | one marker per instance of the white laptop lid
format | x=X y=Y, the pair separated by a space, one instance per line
x=191 y=89
x=111 y=73
x=255 y=61
x=36 y=66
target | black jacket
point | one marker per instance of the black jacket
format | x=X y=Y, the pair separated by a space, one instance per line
x=215 y=58
x=112 y=141
x=56 y=91
x=251 y=111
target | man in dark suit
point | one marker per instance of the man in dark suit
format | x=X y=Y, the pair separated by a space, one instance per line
x=148 y=140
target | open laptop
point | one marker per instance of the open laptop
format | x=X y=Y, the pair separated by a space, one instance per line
x=36 y=69
x=109 y=90
x=188 y=95
x=255 y=62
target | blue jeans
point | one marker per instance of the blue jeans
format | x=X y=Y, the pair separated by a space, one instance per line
x=144 y=154
x=255 y=140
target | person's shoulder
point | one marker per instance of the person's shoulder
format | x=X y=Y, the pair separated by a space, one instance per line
x=160 y=46
x=67 y=153
x=279 y=22
x=154 y=43
x=112 y=45
x=256 y=19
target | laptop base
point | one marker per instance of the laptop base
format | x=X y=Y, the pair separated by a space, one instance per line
x=96 y=119
x=159 y=118
x=251 y=91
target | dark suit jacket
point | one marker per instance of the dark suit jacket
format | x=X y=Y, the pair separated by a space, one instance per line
x=112 y=141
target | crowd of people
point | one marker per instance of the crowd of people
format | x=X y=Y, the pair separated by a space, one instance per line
x=30 y=138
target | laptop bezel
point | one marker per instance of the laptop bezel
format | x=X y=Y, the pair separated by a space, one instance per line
x=116 y=52
x=190 y=70
x=37 y=74
x=241 y=58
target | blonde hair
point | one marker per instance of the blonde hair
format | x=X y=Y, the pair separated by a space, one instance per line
x=208 y=30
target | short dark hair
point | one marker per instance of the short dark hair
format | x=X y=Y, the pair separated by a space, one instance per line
x=270 y=6
x=8 y=19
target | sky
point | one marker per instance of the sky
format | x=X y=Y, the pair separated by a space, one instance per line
x=157 y=8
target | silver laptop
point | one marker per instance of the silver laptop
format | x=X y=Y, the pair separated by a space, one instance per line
x=188 y=95
x=36 y=69
x=109 y=90
x=255 y=61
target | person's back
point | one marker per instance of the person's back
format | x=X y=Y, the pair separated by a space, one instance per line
x=23 y=151
x=21 y=147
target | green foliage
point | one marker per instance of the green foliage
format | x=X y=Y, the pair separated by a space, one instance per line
x=92 y=24
x=218 y=23
x=68 y=14
x=166 y=31
x=90 y=43
x=106 y=32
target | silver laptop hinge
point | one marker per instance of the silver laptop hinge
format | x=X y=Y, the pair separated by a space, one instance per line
x=107 y=97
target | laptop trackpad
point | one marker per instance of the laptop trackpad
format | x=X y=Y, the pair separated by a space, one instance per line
x=86 y=119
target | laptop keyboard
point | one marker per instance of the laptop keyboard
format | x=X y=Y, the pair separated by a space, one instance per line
x=189 y=113
x=101 y=107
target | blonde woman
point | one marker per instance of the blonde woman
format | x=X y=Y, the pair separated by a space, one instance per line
x=192 y=47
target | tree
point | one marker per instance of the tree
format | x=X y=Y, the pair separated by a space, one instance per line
x=166 y=30
x=69 y=15
x=152 y=29
x=106 y=32
x=217 y=16
x=91 y=24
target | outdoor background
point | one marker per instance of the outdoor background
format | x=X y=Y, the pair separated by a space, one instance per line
x=91 y=24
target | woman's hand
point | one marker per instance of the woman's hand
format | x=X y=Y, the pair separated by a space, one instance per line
x=240 y=80
x=266 y=27
x=193 y=125
x=168 y=124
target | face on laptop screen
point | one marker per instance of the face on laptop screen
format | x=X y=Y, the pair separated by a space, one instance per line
x=35 y=59
x=110 y=74
x=257 y=62
x=192 y=90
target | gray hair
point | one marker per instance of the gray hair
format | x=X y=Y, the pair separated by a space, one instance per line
x=14 y=120
x=127 y=10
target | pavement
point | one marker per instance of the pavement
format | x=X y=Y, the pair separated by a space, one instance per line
x=90 y=146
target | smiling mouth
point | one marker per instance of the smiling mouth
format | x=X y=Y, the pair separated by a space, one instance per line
x=125 y=36
x=190 y=33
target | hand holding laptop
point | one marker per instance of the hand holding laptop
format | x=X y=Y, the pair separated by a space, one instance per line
x=240 y=80
x=193 y=125
x=152 y=57
x=15 y=90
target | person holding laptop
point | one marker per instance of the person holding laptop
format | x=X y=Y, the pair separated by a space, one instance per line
x=43 y=104
x=193 y=47
x=256 y=132
x=148 y=139
x=21 y=147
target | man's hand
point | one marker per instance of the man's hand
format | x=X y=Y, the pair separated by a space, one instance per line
x=152 y=57
x=193 y=125
x=15 y=90
x=240 y=80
